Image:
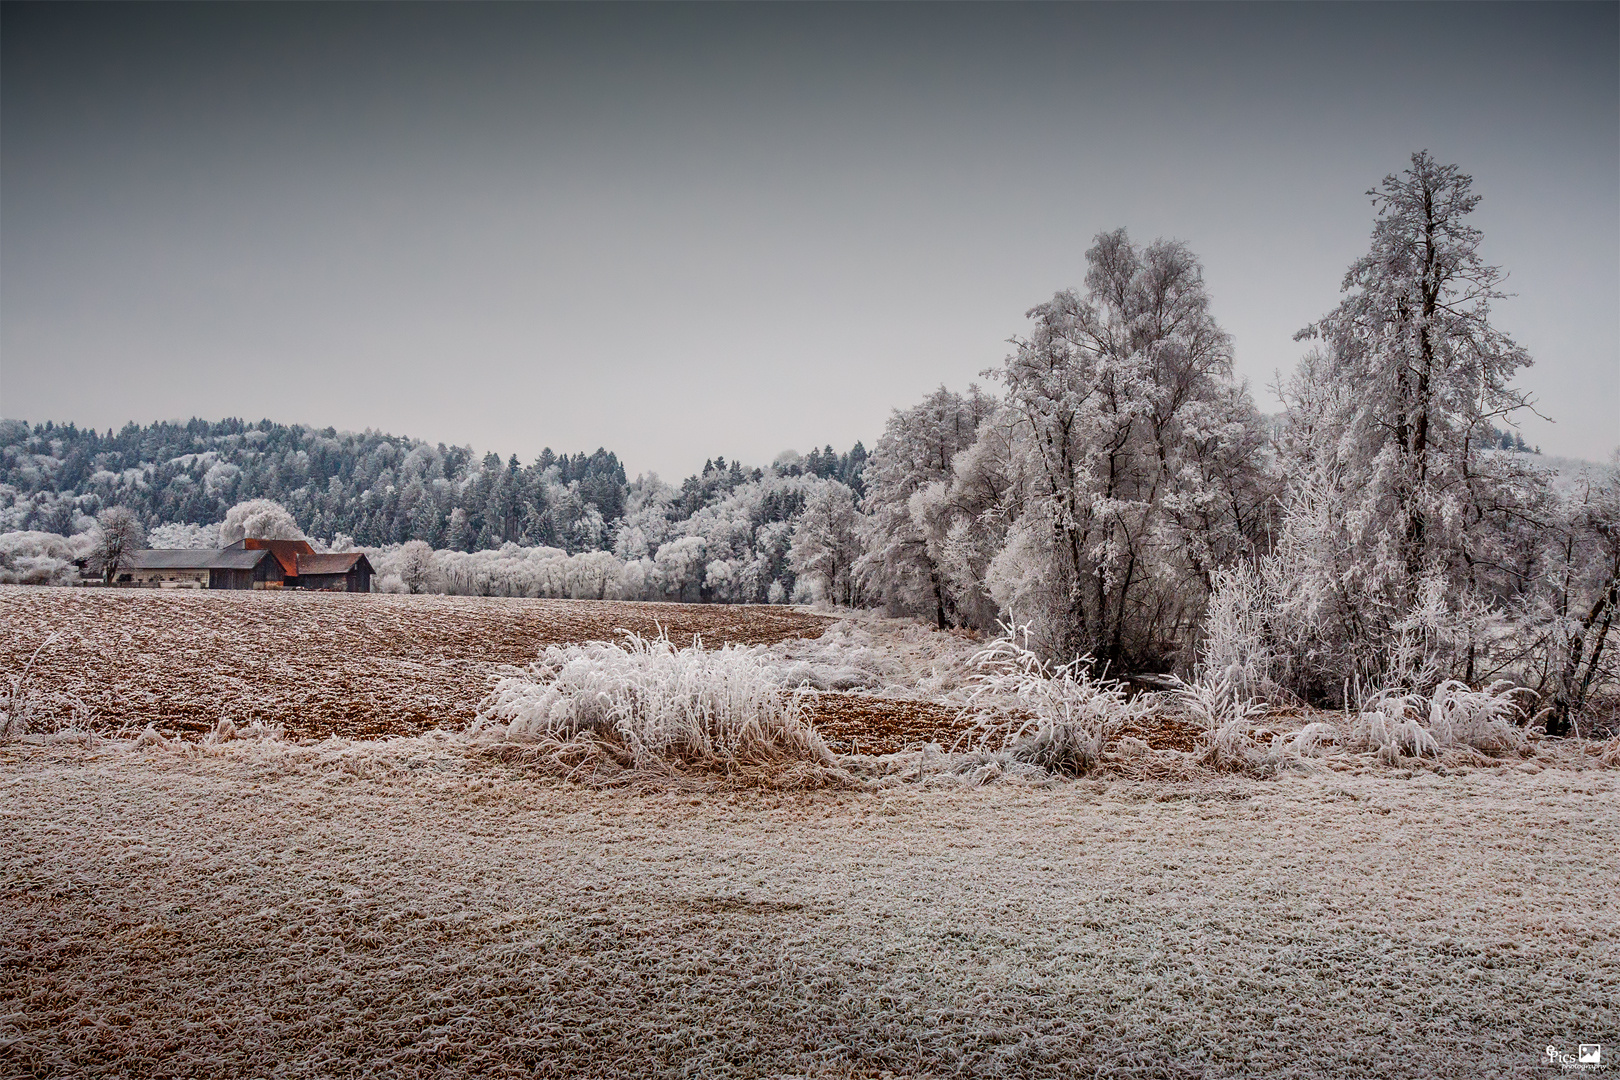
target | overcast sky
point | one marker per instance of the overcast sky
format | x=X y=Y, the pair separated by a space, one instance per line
x=686 y=231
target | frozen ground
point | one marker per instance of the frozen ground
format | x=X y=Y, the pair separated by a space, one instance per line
x=316 y=664
x=409 y=908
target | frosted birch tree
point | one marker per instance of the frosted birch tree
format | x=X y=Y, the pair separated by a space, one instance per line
x=1126 y=466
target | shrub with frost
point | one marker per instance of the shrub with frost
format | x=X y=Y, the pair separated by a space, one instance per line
x=1066 y=715
x=605 y=711
x=1453 y=716
x=1227 y=714
x=38 y=558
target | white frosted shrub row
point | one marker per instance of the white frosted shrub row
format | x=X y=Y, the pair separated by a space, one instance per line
x=1453 y=716
x=1068 y=718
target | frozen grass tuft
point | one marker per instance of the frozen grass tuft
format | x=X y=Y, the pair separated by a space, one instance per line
x=1066 y=716
x=608 y=713
x=1607 y=753
x=1453 y=717
x=26 y=709
x=1228 y=717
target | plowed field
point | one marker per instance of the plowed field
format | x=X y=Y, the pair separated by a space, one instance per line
x=317 y=663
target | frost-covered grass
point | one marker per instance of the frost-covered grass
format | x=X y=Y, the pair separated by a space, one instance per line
x=865 y=652
x=410 y=909
x=1062 y=717
x=607 y=712
x=1452 y=717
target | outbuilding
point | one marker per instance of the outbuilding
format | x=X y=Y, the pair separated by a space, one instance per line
x=168 y=568
x=348 y=571
x=245 y=570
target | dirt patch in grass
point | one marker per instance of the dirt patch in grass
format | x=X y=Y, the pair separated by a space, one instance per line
x=1164 y=733
x=855 y=723
x=320 y=664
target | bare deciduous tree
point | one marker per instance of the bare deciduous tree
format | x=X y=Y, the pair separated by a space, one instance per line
x=119 y=534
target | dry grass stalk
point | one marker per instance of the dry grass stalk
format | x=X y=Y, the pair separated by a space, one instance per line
x=1064 y=719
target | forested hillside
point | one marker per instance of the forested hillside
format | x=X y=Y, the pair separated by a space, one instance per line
x=373 y=488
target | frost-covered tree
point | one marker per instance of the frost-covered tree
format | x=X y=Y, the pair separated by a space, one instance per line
x=648 y=520
x=118 y=534
x=1406 y=542
x=1413 y=338
x=259 y=519
x=680 y=568
x=1125 y=468
x=902 y=536
x=1583 y=598
x=826 y=543
x=458 y=537
x=415 y=565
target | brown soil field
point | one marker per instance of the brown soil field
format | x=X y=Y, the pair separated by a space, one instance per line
x=368 y=666
x=317 y=664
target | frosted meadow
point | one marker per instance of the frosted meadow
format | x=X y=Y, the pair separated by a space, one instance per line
x=1118 y=728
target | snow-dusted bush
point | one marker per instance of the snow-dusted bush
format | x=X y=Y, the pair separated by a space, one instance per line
x=601 y=710
x=1227 y=714
x=1453 y=716
x=41 y=558
x=390 y=583
x=1066 y=714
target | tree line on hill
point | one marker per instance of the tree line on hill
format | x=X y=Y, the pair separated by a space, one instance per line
x=375 y=488
x=1120 y=497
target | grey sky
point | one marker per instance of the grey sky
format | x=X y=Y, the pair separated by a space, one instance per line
x=685 y=231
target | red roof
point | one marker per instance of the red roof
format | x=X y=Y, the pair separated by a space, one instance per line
x=285 y=551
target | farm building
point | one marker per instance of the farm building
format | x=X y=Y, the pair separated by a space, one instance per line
x=249 y=564
x=287 y=552
x=202 y=568
x=245 y=570
x=349 y=571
